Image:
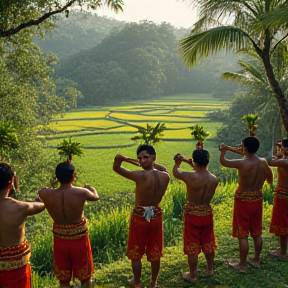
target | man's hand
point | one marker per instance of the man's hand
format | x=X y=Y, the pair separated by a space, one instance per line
x=119 y=158
x=178 y=158
x=222 y=148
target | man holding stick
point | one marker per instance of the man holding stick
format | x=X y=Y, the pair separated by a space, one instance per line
x=279 y=220
x=15 y=252
x=71 y=250
x=198 y=217
x=146 y=225
x=247 y=217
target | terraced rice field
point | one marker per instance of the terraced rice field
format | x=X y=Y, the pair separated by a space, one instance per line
x=107 y=131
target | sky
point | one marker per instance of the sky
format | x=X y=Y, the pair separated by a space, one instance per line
x=177 y=12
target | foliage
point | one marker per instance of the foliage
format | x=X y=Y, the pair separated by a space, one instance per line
x=150 y=134
x=250 y=120
x=69 y=148
x=138 y=61
x=18 y=15
x=199 y=133
x=8 y=139
x=245 y=32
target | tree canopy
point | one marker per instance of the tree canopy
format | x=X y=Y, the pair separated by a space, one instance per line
x=238 y=25
x=18 y=15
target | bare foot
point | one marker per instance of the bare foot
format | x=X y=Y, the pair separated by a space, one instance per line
x=187 y=277
x=133 y=285
x=238 y=267
x=254 y=263
x=277 y=253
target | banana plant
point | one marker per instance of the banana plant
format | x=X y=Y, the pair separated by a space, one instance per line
x=150 y=134
x=199 y=133
x=69 y=148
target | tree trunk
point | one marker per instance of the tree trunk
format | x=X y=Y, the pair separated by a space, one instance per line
x=278 y=93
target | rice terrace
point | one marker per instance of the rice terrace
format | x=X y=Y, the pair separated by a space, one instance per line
x=107 y=131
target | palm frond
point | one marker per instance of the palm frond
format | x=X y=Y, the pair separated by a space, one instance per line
x=201 y=45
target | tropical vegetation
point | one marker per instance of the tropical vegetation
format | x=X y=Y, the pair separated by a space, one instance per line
x=238 y=25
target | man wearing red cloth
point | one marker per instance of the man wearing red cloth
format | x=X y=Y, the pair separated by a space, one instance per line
x=146 y=226
x=15 y=270
x=279 y=220
x=198 y=218
x=247 y=216
x=72 y=250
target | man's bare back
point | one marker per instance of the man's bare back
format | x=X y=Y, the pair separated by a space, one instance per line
x=200 y=184
x=13 y=215
x=65 y=204
x=150 y=187
x=282 y=171
x=252 y=171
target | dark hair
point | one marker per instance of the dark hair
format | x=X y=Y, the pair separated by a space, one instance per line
x=251 y=144
x=64 y=172
x=285 y=143
x=146 y=147
x=201 y=157
x=6 y=174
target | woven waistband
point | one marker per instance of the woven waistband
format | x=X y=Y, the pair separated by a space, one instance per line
x=71 y=231
x=195 y=209
x=281 y=192
x=14 y=257
x=249 y=195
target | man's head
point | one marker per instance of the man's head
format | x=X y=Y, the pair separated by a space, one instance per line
x=65 y=172
x=201 y=157
x=146 y=147
x=6 y=175
x=251 y=144
x=146 y=155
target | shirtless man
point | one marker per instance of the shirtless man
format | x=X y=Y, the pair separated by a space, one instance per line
x=279 y=220
x=146 y=226
x=15 y=270
x=247 y=217
x=198 y=217
x=72 y=249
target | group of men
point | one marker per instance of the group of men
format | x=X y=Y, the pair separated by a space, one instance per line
x=72 y=251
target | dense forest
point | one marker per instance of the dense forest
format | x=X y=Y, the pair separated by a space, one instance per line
x=130 y=61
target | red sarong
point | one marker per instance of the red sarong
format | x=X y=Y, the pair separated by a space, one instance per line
x=15 y=272
x=198 y=229
x=247 y=215
x=72 y=252
x=279 y=219
x=145 y=236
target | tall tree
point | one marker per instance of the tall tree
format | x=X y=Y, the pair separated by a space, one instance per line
x=245 y=31
x=17 y=15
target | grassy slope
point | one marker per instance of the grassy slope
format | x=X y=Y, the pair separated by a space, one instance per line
x=95 y=168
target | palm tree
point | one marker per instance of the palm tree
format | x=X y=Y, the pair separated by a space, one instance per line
x=199 y=133
x=245 y=31
x=251 y=119
x=69 y=148
x=8 y=139
x=150 y=134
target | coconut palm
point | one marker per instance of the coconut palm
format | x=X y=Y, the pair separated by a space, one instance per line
x=8 y=139
x=238 y=25
x=150 y=134
x=199 y=133
x=251 y=119
x=69 y=148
